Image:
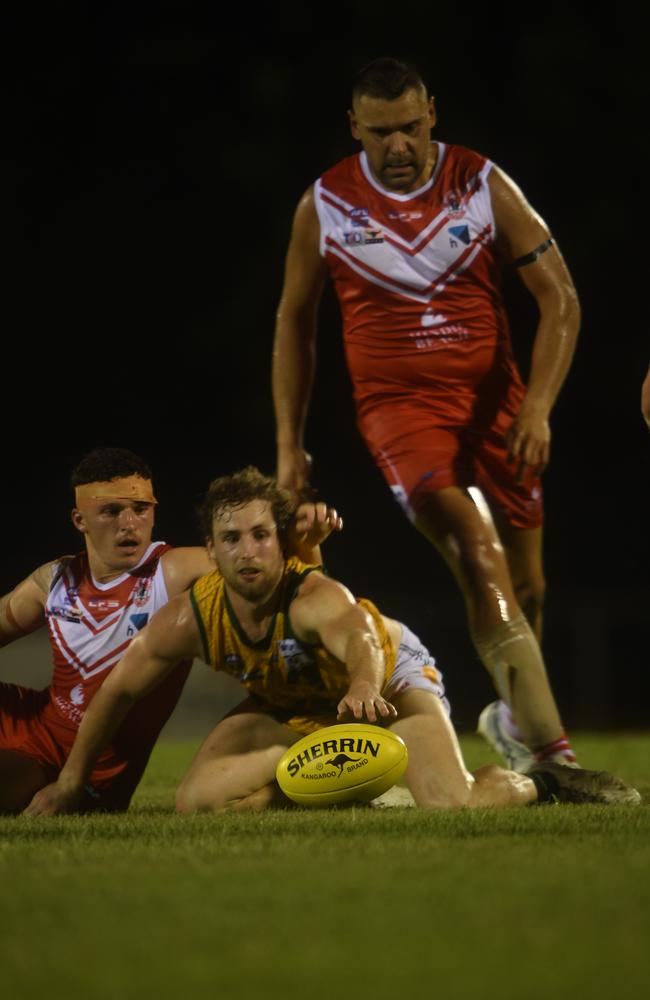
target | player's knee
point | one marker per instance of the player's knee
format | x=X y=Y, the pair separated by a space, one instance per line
x=188 y=797
x=481 y=562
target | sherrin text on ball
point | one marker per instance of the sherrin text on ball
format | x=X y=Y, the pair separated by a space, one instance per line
x=351 y=762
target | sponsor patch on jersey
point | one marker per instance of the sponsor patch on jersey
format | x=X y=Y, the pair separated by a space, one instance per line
x=431 y=318
x=405 y=216
x=295 y=656
x=138 y=621
x=453 y=202
x=65 y=612
x=77 y=695
x=459 y=233
x=359 y=237
x=359 y=216
x=439 y=337
x=101 y=604
x=142 y=591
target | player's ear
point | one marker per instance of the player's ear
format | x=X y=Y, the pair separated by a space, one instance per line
x=433 y=117
x=209 y=544
x=79 y=520
x=354 y=128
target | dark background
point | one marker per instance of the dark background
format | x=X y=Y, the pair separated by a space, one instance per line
x=157 y=157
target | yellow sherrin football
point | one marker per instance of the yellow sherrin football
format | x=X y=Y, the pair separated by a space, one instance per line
x=342 y=764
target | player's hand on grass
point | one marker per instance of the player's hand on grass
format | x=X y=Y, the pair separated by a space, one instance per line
x=294 y=470
x=54 y=799
x=529 y=439
x=314 y=522
x=362 y=699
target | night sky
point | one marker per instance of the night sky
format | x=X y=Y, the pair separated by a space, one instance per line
x=156 y=161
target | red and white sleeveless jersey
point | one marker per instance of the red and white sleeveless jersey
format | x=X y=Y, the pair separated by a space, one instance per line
x=417 y=278
x=91 y=625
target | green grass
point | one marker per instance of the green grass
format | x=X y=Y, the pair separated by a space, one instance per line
x=529 y=903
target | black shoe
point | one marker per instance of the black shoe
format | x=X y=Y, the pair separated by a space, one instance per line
x=556 y=783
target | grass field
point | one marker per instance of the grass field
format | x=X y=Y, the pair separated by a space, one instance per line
x=547 y=902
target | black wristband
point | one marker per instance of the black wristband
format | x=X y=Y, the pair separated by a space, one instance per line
x=529 y=258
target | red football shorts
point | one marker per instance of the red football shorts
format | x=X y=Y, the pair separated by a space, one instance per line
x=418 y=458
x=27 y=726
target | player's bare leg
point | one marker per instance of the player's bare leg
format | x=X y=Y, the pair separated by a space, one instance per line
x=20 y=778
x=436 y=773
x=523 y=552
x=459 y=524
x=234 y=769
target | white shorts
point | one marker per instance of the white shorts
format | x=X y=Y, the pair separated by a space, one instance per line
x=415 y=667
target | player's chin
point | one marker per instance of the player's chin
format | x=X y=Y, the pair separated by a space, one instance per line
x=398 y=178
x=129 y=555
x=255 y=588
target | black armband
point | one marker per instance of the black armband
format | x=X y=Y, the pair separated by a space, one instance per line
x=529 y=258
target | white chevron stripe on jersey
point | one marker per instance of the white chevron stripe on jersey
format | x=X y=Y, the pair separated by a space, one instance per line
x=345 y=208
x=425 y=293
x=442 y=257
x=473 y=186
x=103 y=663
x=409 y=246
x=382 y=283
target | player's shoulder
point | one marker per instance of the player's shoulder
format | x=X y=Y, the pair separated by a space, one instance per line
x=344 y=170
x=454 y=155
x=298 y=574
x=46 y=574
x=184 y=566
x=314 y=589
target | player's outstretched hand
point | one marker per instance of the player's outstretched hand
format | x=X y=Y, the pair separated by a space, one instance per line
x=529 y=440
x=314 y=522
x=364 y=699
x=53 y=799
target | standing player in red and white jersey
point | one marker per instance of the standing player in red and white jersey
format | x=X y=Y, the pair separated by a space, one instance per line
x=94 y=603
x=413 y=233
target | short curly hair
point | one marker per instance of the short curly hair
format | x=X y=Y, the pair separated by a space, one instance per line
x=101 y=465
x=240 y=488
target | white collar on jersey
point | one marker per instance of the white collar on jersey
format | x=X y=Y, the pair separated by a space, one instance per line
x=124 y=576
x=411 y=194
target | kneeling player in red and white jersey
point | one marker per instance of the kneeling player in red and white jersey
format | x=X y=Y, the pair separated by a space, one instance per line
x=94 y=603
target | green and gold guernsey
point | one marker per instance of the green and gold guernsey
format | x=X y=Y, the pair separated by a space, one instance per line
x=281 y=670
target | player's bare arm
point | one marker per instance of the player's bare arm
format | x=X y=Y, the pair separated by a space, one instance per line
x=23 y=610
x=182 y=567
x=171 y=636
x=325 y=611
x=523 y=237
x=294 y=352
